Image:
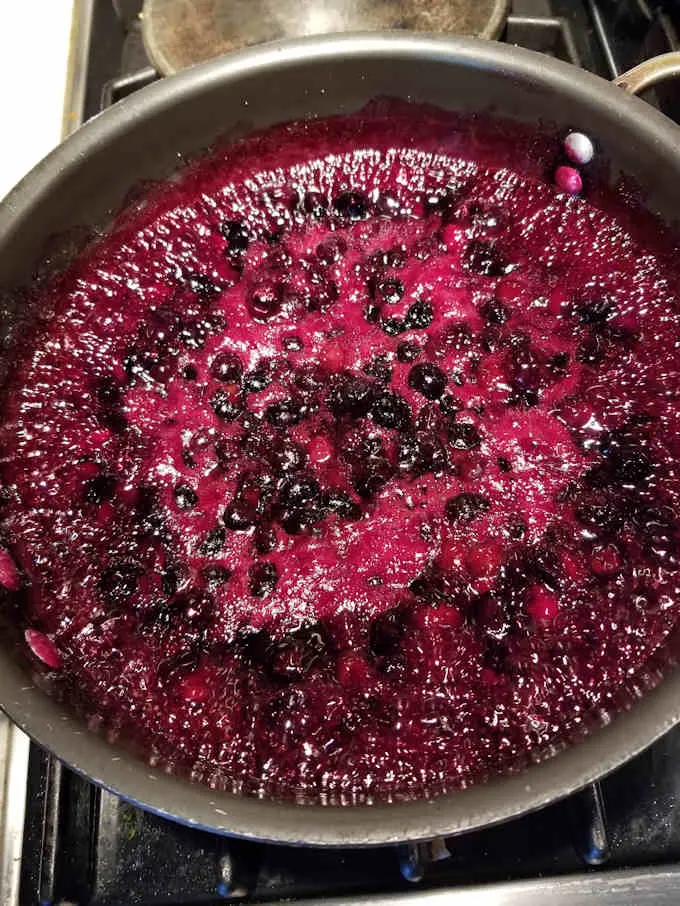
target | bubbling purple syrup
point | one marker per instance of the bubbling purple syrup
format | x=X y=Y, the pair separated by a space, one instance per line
x=344 y=468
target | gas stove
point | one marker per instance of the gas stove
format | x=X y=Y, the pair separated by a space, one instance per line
x=64 y=841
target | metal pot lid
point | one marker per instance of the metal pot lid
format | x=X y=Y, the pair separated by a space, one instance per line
x=179 y=33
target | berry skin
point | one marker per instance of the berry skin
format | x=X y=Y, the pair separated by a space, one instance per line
x=43 y=648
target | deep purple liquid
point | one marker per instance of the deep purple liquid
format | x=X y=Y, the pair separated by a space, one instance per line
x=268 y=547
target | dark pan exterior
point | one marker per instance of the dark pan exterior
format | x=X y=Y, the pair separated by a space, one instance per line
x=146 y=136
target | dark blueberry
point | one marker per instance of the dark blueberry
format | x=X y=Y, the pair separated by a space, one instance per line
x=407 y=453
x=432 y=457
x=286 y=457
x=262 y=579
x=292 y=657
x=408 y=351
x=494 y=312
x=194 y=334
x=491 y=338
x=428 y=380
x=314 y=204
x=483 y=257
x=322 y=295
x=396 y=257
x=379 y=368
x=350 y=395
x=215 y=575
x=387 y=205
x=227 y=367
x=430 y=420
x=385 y=635
x=389 y=410
x=527 y=376
x=285 y=413
x=466 y=506
x=257 y=381
x=340 y=503
x=292 y=344
x=444 y=202
x=112 y=417
x=109 y=392
x=119 y=581
x=100 y=488
x=504 y=464
x=185 y=497
x=170 y=579
x=557 y=364
x=516 y=528
x=592 y=350
x=436 y=585
x=265 y=539
x=450 y=405
x=370 y=467
x=226 y=405
x=419 y=315
x=202 y=285
x=239 y=517
x=597 y=312
x=250 y=501
x=529 y=565
x=236 y=235
x=351 y=206
x=372 y=313
x=369 y=482
x=189 y=372
x=458 y=336
x=387 y=291
x=629 y=465
x=392 y=326
x=176 y=666
x=659 y=527
x=603 y=517
x=213 y=542
x=252 y=645
x=299 y=491
x=496 y=616
x=266 y=299
x=331 y=250
x=299 y=503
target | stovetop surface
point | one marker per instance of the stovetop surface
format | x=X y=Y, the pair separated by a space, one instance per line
x=617 y=842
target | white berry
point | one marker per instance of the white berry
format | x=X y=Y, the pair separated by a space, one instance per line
x=579 y=148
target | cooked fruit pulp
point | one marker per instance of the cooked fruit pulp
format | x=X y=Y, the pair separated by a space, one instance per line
x=343 y=468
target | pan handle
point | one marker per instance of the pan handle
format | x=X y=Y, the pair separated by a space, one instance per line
x=650 y=73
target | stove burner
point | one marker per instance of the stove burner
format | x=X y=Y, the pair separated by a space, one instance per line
x=180 y=34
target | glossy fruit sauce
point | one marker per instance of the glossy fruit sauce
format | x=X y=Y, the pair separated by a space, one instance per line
x=343 y=467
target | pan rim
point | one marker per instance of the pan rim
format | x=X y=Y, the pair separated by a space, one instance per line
x=501 y=798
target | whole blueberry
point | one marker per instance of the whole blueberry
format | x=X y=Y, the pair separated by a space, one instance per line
x=428 y=380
